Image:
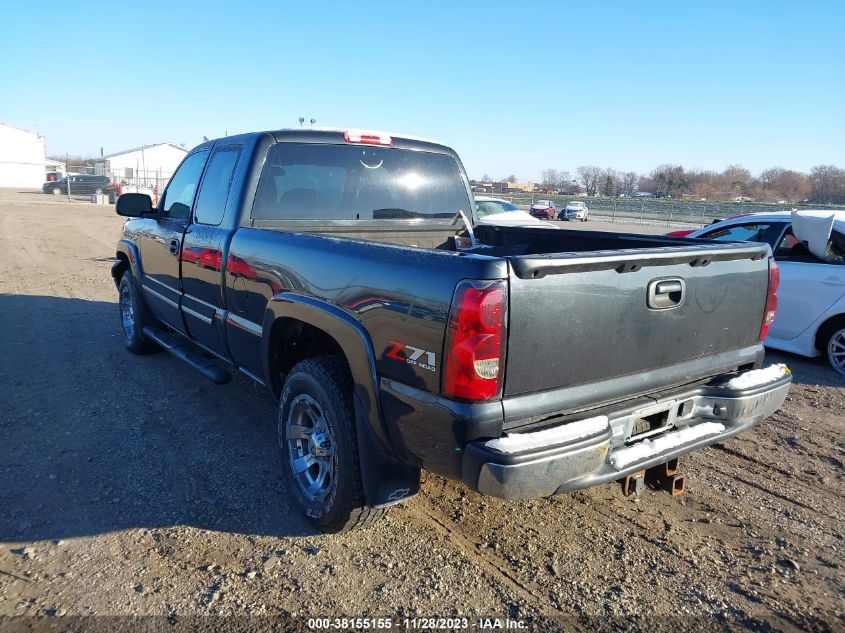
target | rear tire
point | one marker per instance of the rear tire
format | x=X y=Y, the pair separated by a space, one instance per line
x=319 y=444
x=835 y=349
x=133 y=317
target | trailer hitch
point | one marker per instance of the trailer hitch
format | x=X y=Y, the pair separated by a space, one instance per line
x=663 y=477
x=667 y=477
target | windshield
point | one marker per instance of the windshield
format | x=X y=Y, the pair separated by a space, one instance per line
x=304 y=181
x=492 y=207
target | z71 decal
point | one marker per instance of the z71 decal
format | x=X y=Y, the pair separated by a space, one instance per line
x=412 y=356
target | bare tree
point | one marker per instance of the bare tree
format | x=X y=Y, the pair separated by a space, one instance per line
x=790 y=185
x=589 y=177
x=512 y=179
x=706 y=184
x=737 y=179
x=828 y=184
x=609 y=182
x=666 y=181
x=550 y=178
x=486 y=178
x=628 y=182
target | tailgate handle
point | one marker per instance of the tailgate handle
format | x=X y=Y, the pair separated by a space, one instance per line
x=665 y=294
x=668 y=287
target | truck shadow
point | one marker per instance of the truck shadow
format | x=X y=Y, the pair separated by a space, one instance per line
x=94 y=439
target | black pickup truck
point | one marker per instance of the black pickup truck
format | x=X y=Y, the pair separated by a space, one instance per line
x=347 y=273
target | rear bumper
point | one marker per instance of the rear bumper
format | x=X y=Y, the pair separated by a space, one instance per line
x=567 y=458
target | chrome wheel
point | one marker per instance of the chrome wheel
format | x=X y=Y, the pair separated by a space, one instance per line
x=836 y=351
x=311 y=448
x=127 y=312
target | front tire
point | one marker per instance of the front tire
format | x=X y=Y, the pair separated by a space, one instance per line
x=57 y=191
x=133 y=317
x=319 y=444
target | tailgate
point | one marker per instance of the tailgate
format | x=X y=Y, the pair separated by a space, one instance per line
x=583 y=318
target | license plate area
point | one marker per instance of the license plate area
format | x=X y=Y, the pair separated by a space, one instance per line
x=651 y=421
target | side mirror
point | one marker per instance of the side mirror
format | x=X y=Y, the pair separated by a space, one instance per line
x=134 y=205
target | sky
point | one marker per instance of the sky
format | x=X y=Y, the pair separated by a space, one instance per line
x=514 y=87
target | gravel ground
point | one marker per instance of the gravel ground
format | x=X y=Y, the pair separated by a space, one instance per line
x=132 y=486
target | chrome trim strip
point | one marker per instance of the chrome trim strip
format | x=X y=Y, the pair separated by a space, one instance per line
x=160 y=296
x=244 y=324
x=160 y=283
x=200 y=301
x=201 y=317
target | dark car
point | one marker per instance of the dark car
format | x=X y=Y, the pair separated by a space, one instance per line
x=80 y=184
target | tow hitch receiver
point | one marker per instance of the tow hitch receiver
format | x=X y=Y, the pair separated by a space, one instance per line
x=634 y=484
x=666 y=476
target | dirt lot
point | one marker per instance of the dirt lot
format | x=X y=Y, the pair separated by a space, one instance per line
x=131 y=486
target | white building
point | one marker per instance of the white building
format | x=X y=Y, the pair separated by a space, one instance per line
x=147 y=165
x=22 y=158
x=55 y=167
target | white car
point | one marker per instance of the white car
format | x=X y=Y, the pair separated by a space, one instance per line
x=810 y=318
x=503 y=213
x=575 y=210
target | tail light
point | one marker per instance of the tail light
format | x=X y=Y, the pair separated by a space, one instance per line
x=771 y=299
x=475 y=341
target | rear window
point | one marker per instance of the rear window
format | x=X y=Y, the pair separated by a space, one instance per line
x=302 y=181
x=493 y=207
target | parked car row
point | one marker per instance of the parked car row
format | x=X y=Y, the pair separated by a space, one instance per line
x=545 y=210
x=810 y=319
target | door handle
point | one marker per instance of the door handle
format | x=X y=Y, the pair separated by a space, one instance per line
x=174 y=247
x=665 y=294
x=666 y=287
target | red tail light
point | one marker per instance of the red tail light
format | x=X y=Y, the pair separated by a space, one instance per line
x=771 y=299
x=475 y=341
x=367 y=138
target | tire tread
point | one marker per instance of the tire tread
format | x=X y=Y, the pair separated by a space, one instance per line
x=333 y=373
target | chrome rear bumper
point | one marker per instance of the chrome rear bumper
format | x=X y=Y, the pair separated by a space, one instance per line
x=600 y=450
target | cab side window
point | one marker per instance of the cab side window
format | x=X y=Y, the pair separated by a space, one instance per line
x=211 y=201
x=179 y=196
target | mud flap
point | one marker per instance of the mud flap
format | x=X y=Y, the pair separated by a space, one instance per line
x=386 y=480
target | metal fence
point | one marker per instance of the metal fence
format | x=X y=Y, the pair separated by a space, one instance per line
x=659 y=210
x=112 y=182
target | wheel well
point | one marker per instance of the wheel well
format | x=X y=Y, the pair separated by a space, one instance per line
x=122 y=267
x=827 y=328
x=292 y=341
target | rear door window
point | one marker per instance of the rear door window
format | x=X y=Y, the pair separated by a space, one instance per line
x=211 y=201
x=303 y=181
